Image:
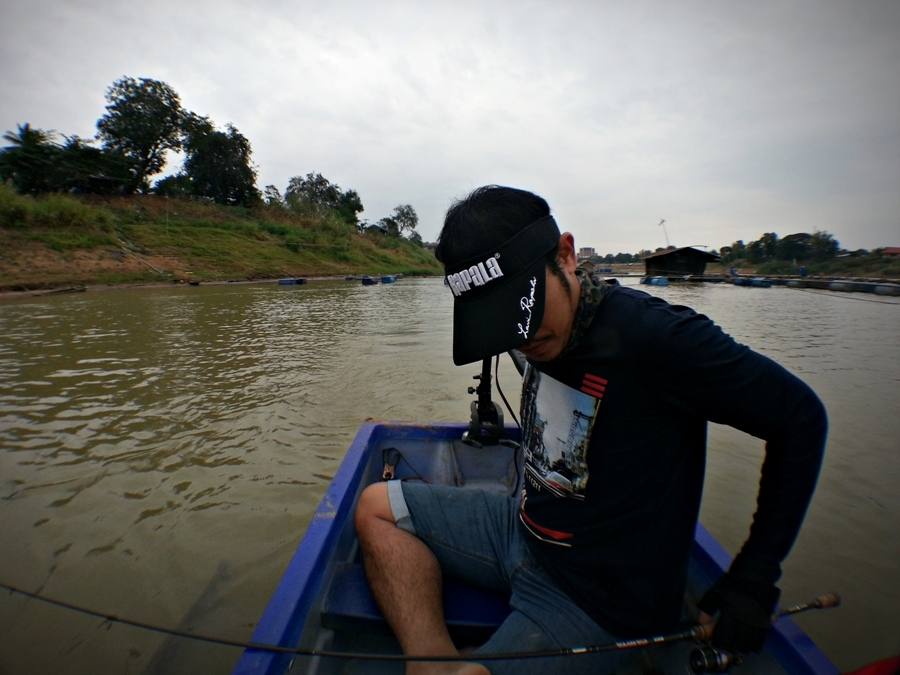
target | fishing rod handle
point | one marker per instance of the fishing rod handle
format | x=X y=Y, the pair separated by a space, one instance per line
x=824 y=601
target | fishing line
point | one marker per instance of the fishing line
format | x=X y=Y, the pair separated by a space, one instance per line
x=698 y=632
x=835 y=294
x=500 y=391
x=515 y=457
x=831 y=294
x=324 y=653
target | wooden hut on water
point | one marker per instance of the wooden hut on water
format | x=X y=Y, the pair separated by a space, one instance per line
x=678 y=262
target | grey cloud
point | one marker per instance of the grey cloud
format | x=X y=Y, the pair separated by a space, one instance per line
x=729 y=119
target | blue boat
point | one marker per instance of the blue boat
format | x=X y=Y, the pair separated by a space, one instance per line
x=323 y=603
x=369 y=281
x=291 y=281
x=389 y=278
x=655 y=281
x=755 y=282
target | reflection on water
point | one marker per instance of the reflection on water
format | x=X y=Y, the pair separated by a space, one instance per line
x=163 y=450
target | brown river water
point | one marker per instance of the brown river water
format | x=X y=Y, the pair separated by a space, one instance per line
x=162 y=450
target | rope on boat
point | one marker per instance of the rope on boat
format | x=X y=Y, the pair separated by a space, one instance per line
x=698 y=632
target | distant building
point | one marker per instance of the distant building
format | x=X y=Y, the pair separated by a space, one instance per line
x=592 y=267
x=891 y=250
x=678 y=262
x=586 y=253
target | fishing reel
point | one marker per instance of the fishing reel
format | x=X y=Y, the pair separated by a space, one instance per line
x=708 y=659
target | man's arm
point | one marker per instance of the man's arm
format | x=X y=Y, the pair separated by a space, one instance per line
x=728 y=383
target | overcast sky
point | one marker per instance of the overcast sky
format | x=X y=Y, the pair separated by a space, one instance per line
x=728 y=119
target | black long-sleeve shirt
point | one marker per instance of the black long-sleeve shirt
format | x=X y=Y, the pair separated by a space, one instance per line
x=615 y=440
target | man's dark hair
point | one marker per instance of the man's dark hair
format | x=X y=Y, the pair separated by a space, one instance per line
x=488 y=217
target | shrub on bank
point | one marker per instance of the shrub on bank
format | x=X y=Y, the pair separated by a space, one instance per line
x=51 y=211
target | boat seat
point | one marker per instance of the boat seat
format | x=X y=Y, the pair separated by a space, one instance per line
x=472 y=614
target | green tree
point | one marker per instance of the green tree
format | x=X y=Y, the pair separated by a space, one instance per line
x=28 y=161
x=312 y=192
x=794 y=247
x=272 y=196
x=349 y=205
x=85 y=169
x=178 y=185
x=35 y=162
x=143 y=120
x=218 y=164
x=756 y=253
x=390 y=226
x=823 y=246
x=769 y=244
x=405 y=218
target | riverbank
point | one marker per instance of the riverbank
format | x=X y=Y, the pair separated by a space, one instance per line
x=93 y=288
x=60 y=241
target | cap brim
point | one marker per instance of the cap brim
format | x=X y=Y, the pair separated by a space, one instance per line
x=501 y=318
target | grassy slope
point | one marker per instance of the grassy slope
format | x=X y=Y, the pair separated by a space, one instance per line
x=60 y=240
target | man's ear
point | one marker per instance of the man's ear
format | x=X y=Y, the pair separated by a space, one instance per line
x=566 y=254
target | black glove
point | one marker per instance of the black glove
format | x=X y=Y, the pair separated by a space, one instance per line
x=745 y=612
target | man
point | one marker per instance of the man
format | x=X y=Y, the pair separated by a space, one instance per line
x=615 y=403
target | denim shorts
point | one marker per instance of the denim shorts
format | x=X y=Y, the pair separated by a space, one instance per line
x=476 y=537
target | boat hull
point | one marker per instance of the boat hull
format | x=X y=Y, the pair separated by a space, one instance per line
x=323 y=602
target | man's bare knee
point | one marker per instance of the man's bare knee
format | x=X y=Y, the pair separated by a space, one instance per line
x=373 y=504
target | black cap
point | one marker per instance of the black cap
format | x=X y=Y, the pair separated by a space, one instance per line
x=499 y=293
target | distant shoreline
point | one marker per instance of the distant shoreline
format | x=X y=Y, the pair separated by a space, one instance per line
x=66 y=289
x=71 y=288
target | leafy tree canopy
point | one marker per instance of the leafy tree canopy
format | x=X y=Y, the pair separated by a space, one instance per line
x=349 y=205
x=312 y=191
x=405 y=217
x=272 y=196
x=35 y=162
x=823 y=246
x=143 y=120
x=218 y=164
x=315 y=193
x=84 y=169
x=28 y=159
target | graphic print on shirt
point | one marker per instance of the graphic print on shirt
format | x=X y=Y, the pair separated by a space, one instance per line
x=556 y=429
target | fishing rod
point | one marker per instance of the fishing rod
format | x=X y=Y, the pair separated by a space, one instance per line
x=699 y=632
